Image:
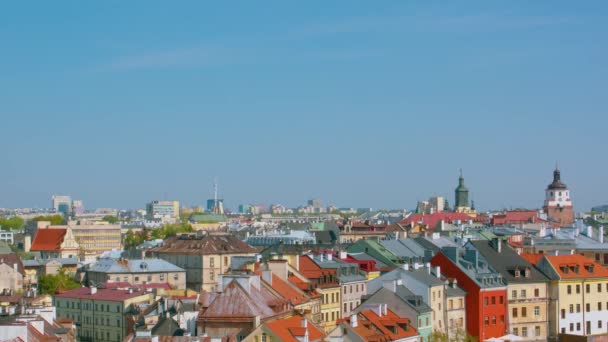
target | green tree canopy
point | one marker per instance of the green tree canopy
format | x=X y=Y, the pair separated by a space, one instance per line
x=110 y=219
x=11 y=223
x=51 y=283
x=54 y=219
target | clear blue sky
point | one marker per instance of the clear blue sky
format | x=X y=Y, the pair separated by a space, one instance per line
x=359 y=103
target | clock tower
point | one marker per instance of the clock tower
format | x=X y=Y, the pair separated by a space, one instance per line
x=558 y=204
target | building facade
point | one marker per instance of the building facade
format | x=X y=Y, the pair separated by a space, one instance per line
x=136 y=271
x=558 y=204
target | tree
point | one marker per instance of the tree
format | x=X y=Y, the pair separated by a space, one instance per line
x=132 y=240
x=11 y=223
x=51 y=283
x=459 y=336
x=54 y=219
x=110 y=219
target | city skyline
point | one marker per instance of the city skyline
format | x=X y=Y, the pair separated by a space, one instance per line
x=356 y=104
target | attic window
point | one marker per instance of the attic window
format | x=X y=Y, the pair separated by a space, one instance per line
x=517 y=273
x=589 y=268
x=564 y=269
x=527 y=272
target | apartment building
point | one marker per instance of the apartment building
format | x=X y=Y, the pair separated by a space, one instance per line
x=136 y=271
x=325 y=281
x=579 y=289
x=100 y=314
x=203 y=257
x=527 y=289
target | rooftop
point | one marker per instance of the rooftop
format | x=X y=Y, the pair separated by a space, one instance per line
x=212 y=244
x=133 y=266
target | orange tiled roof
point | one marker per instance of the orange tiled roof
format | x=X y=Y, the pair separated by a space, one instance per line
x=48 y=239
x=286 y=290
x=288 y=329
x=380 y=330
x=532 y=258
x=586 y=268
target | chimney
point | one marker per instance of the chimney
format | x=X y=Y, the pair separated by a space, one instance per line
x=428 y=268
x=343 y=254
x=589 y=232
x=16 y=267
x=406 y=266
x=321 y=257
x=455 y=283
x=304 y=323
x=556 y=252
x=353 y=321
x=384 y=309
x=267 y=276
x=600 y=234
x=258 y=258
x=438 y=272
x=390 y=285
x=93 y=290
x=329 y=256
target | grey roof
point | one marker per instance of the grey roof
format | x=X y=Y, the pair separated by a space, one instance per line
x=474 y=265
x=506 y=261
x=40 y=262
x=134 y=266
x=455 y=292
x=395 y=300
x=402 y=249
x=351 y=278
x=420 y=275
x=237 y=262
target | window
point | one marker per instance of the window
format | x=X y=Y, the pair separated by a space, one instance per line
x=578 y=289
x=451 y=304
x=516 y=331
x=563 y=313
x=514 y=293
x=345 y=307
x=461 y=321
x=578 y=308
x=211 y=274
x=162 y=277
x=493 y=300
x=524 y=312
x=501 y=300
x=136 y=278
x=536 y=311
x=599 y=324
x=569 y=289
x=588 y=327
x=523 y=294
x=587 y=307
x=571 y=326
x=493 y=320
x=599 y=287
x=460 y=304
x=524 y=332
x=536 y=293
x=537 y=330
x=211 y=262
x=485 y=301
x=149 y=278
x=344 y=289
x=264 y=337
x=486 y=321
x=514 y=313
x=587 y=288
x=599 y=306
x=578 y=326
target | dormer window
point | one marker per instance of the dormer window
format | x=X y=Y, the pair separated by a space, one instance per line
x=517 y=273
x=527 y=272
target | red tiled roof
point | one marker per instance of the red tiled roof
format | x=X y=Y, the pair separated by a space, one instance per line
x=562 y=262
x=286 y=290
x=380 y=332
x=212 y=244
x=432 y=220
x=516 y=217
x=48 y=240
x=288 y=329
x=112 y=295
x=532 y=258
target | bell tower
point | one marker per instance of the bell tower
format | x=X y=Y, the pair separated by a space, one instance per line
x=558 y=204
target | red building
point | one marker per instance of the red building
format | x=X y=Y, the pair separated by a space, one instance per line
x=486 y=299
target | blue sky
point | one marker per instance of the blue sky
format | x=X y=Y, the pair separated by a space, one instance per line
x=359 y=104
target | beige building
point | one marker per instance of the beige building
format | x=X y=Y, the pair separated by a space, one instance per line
x=12 y=272
x=203 y=258
x=455 y=309
x=136 y=271
x=86 y=240
x=527 y=290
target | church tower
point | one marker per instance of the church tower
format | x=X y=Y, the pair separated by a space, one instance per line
x=461 y=203
x=558 y=204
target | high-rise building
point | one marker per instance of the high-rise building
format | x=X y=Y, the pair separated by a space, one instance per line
x=558 y=204
x=62 y=204
x=315 y=203
x=162 y=209
x=77 y=207
x=211 y=206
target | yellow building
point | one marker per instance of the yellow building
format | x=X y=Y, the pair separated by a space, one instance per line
x=330 y=306
x=579 y=289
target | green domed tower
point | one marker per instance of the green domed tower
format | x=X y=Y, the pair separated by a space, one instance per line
x=462 y=194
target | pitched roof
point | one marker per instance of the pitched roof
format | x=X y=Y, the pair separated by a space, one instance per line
x=576 y=266
x=12 y=259
x=48 y=240
x=289 y=329
x=212 y=244
x=507 y=261
x=112 y=295
x=133 y=266
x=287 y=290
x=381 y=324
x=432 y=220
